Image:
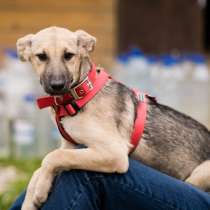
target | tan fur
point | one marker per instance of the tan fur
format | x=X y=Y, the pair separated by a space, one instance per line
x=107 y=148
x=200 y=176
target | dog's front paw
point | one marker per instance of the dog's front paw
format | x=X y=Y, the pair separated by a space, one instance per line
x=43 y=187
x=39 y=197
x=28 y=206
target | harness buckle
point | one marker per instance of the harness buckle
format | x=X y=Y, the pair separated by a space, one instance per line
x=79 y=91
x=141 y=97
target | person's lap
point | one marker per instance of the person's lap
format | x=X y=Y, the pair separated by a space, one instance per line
x=141 y=188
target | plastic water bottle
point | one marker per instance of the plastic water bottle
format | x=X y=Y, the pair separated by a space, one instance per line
x=4 y=144
x=200 y=94
x=180 y=81
x=19 y=91
x=138 y=70
x=120 y=69
x=183 y=83
x=194 y=88
x=170 y=75
x=25 y=128
x=4 y=137
x=154 y=75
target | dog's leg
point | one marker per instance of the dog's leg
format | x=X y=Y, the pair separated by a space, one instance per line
x=30 y=193
x=106 y=160
x=200 y=177
x=27 y=204
x=40 y=196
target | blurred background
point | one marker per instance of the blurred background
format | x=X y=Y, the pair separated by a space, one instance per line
x=159 y=46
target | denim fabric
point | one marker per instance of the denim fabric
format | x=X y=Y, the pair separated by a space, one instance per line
x=141 y=188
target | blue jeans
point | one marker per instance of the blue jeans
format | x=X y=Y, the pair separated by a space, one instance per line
x=141 y=188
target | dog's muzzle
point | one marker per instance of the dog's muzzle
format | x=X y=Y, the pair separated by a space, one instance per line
x=56 y=84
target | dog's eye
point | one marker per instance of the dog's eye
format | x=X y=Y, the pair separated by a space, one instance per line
x=67 y=56
x=42 y=56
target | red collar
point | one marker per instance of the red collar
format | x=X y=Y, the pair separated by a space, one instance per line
x=69 y=104
x=78 y=96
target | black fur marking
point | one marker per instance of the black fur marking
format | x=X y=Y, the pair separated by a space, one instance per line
x=120 y=105
x=177 y=138
x=122 y=93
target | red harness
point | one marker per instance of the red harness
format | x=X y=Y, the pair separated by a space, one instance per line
x=71 y=103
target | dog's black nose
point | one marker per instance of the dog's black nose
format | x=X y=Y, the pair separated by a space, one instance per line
x=57 y=85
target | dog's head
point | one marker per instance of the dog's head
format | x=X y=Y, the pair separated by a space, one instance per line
x=57 y=54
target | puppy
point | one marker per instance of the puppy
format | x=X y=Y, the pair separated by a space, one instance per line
x=171 y=142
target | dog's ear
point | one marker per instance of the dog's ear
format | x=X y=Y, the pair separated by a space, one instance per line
x=24 y=47
x=85 y=41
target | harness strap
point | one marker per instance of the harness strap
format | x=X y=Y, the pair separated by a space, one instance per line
x=70 y=109
x=139 y=123
x=63 y=132
x=69 y=104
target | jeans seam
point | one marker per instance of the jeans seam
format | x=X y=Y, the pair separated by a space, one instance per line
x=166 y=203
x=150 y=195
x=76 y=197
x=74 y=202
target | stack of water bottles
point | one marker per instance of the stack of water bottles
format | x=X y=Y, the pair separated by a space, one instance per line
x=25 y=130
x=181 y=81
